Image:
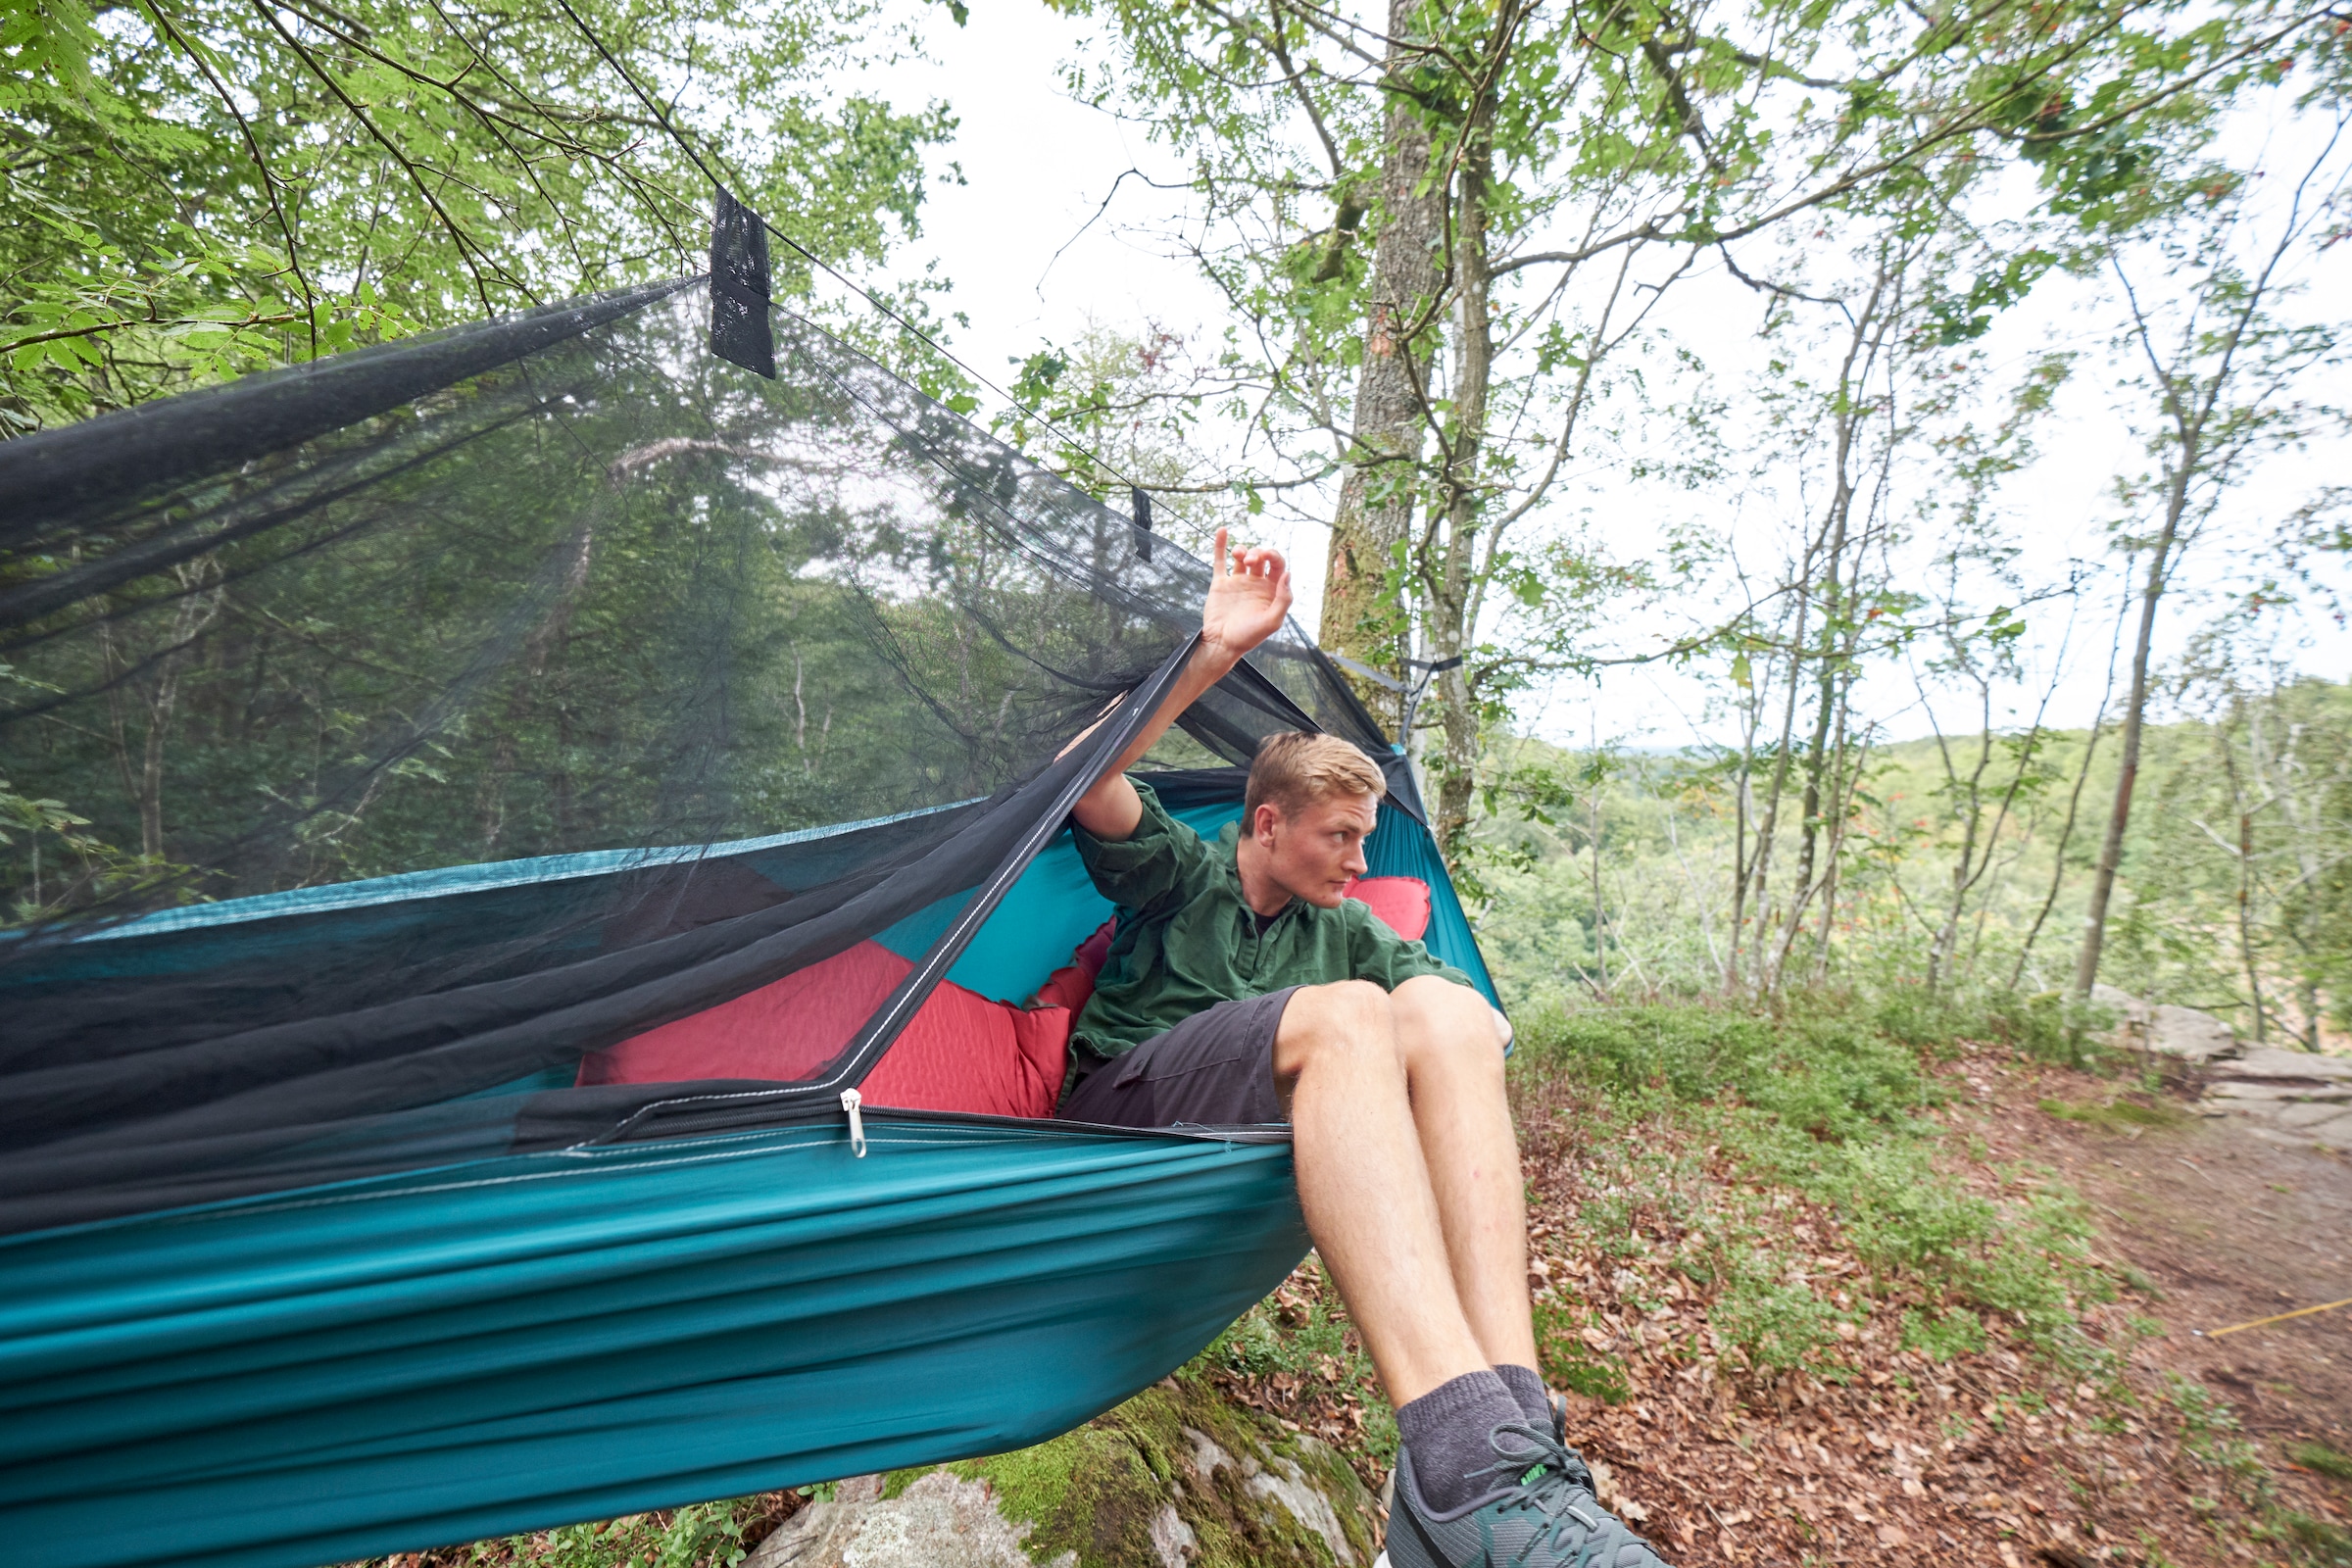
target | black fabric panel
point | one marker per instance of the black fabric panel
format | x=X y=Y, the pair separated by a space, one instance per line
x=1181 y=788
x=53 y=479
x=1141 y=501
x=109 y=1179
x=427 y=1047
x=204 y=533
x=740 y=332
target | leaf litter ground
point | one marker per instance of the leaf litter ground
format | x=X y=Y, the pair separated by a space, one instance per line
x=1784 y=1362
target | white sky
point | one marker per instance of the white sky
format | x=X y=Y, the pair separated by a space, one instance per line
x=1031 y=262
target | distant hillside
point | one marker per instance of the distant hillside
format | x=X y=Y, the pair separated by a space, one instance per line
x=1659 y=915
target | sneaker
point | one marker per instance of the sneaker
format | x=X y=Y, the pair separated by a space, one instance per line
x=1544 y=1517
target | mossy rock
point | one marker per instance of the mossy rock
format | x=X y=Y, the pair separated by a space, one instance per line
x=1174 y=1478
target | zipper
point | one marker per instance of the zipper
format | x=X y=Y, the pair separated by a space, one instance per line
x=851 y=1100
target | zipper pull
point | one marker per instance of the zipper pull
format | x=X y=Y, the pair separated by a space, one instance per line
x=850 y=1100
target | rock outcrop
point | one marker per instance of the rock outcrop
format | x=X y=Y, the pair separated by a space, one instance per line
x=1174 y=1478
x=2164 y=1028
x=2288 y=1096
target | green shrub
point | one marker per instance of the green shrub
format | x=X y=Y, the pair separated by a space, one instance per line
x=2319 y=1541
x=1823 y=1097
x=1946 y=1336
x=1266 y=1340
x=1902 y=1213
x=1259 y=1343
x=1827 y=1074
x=1774 y=1324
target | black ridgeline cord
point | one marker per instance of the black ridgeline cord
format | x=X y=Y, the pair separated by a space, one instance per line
x=815 y=261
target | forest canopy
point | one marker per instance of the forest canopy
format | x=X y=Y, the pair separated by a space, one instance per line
x=200 y=189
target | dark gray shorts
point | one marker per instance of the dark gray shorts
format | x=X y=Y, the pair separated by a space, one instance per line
x=1214 y=1070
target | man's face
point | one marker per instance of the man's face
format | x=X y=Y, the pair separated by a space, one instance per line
x=1314 y=853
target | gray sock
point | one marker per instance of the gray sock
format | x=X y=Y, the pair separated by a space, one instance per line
x=1526 y=1387
x=1447 y=1433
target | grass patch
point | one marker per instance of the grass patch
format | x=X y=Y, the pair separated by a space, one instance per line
x=1778 y=1325
x=2315 y=1539
x=1825 y=1073
x=2320 y=1459
x=1301 y=1331
x=1823 y=1102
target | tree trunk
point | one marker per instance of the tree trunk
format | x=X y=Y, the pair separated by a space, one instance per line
x=2245 y=933
x=1601 y=923
x=2119 y=815
x=1447 y=559
x=1400 y=324
x=1971 y=802
x=1848 y=417
x=1768 y=828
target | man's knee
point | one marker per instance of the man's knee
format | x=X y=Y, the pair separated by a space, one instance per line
x=1346 y=1017
x=1443 y=1025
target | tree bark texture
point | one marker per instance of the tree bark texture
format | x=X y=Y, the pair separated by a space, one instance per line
x=1450 y=551
x=1376 y=496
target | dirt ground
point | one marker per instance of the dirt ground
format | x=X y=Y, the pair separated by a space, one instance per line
x=2225 y=1226
x=1992 y=1459
x=2231 y=1228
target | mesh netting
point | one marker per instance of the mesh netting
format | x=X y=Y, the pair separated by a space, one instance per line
x=412 y=723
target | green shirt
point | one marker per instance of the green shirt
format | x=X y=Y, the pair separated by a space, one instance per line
x=1188 y=940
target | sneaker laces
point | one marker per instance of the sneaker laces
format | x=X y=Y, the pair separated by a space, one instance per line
x=1548 y=1478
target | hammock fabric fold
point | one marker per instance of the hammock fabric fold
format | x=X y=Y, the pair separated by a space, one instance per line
x=527 y=808
x=444 y=1355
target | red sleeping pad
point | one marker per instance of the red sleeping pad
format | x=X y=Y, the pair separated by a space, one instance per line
x=960 y=1051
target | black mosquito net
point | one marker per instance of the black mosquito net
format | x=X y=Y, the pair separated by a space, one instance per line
x=385 y=733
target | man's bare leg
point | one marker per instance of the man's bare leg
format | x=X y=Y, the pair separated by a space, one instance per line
x=1409 y=1175
x=1453 y=1062
x=1364 y=1182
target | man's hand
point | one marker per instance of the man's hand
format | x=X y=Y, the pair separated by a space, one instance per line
x=1248 y=600
x=1249 y=596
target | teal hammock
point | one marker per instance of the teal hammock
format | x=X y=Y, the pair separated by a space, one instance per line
x=487 y=1348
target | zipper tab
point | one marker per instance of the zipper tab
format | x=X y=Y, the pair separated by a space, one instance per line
x=850 y=1100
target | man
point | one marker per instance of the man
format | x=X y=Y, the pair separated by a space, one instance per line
x=1243 y=987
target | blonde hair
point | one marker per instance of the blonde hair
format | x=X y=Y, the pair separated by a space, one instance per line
x=1294 y=769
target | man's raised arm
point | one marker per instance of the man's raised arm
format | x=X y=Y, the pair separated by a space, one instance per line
x=1249 y=594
